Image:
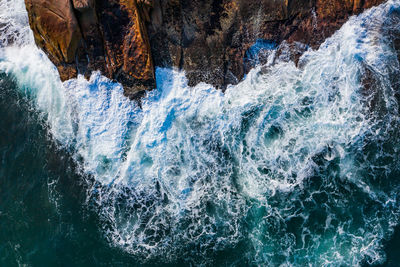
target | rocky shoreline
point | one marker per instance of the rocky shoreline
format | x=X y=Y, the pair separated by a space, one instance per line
x=208 y=39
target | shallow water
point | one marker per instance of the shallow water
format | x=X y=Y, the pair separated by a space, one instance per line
x=294 y=165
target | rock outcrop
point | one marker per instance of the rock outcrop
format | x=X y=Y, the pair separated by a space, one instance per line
x=209 y=39
x=57 y=32
x=81 y=36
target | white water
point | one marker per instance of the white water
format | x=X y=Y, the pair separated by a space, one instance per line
x=188 y=169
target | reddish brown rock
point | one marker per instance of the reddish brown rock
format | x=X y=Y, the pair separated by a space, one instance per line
x=208 y=39
x=126 y=45
x=56 y=31
x=82 y=5
x=81 y=36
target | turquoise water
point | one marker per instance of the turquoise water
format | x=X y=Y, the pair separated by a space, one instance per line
x=41 y=217
x=296 y=165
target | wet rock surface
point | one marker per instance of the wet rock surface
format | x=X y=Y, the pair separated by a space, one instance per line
x=82 y=36
x=209 y=39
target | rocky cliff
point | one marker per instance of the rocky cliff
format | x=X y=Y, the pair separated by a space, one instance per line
x=209 y=39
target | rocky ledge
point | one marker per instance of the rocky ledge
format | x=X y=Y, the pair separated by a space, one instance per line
x=209 y=39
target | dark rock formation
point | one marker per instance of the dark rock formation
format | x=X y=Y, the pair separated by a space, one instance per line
x=209 y=38
x=206 y=38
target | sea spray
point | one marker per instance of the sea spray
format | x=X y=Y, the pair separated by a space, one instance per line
x=297 y=165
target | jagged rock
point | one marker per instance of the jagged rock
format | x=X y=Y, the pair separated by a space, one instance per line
x=82 y=36
x=126 y=44
x=209 y=39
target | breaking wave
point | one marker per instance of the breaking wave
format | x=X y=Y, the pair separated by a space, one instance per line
x=294 y=165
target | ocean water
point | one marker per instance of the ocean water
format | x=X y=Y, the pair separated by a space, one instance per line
x=294 y=166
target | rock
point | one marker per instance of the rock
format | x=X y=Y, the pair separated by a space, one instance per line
x=126 y=44
x=83 y=5
x=56 y=31
x=82 y=36
x=209 y=39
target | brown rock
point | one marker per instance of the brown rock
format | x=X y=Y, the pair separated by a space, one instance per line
x=81 y=36
x=82 y=5
x=126 y=45
x=56 y=31
x=90 y=55
x=207 y=38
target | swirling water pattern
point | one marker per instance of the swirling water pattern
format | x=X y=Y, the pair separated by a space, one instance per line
x=295 y=165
